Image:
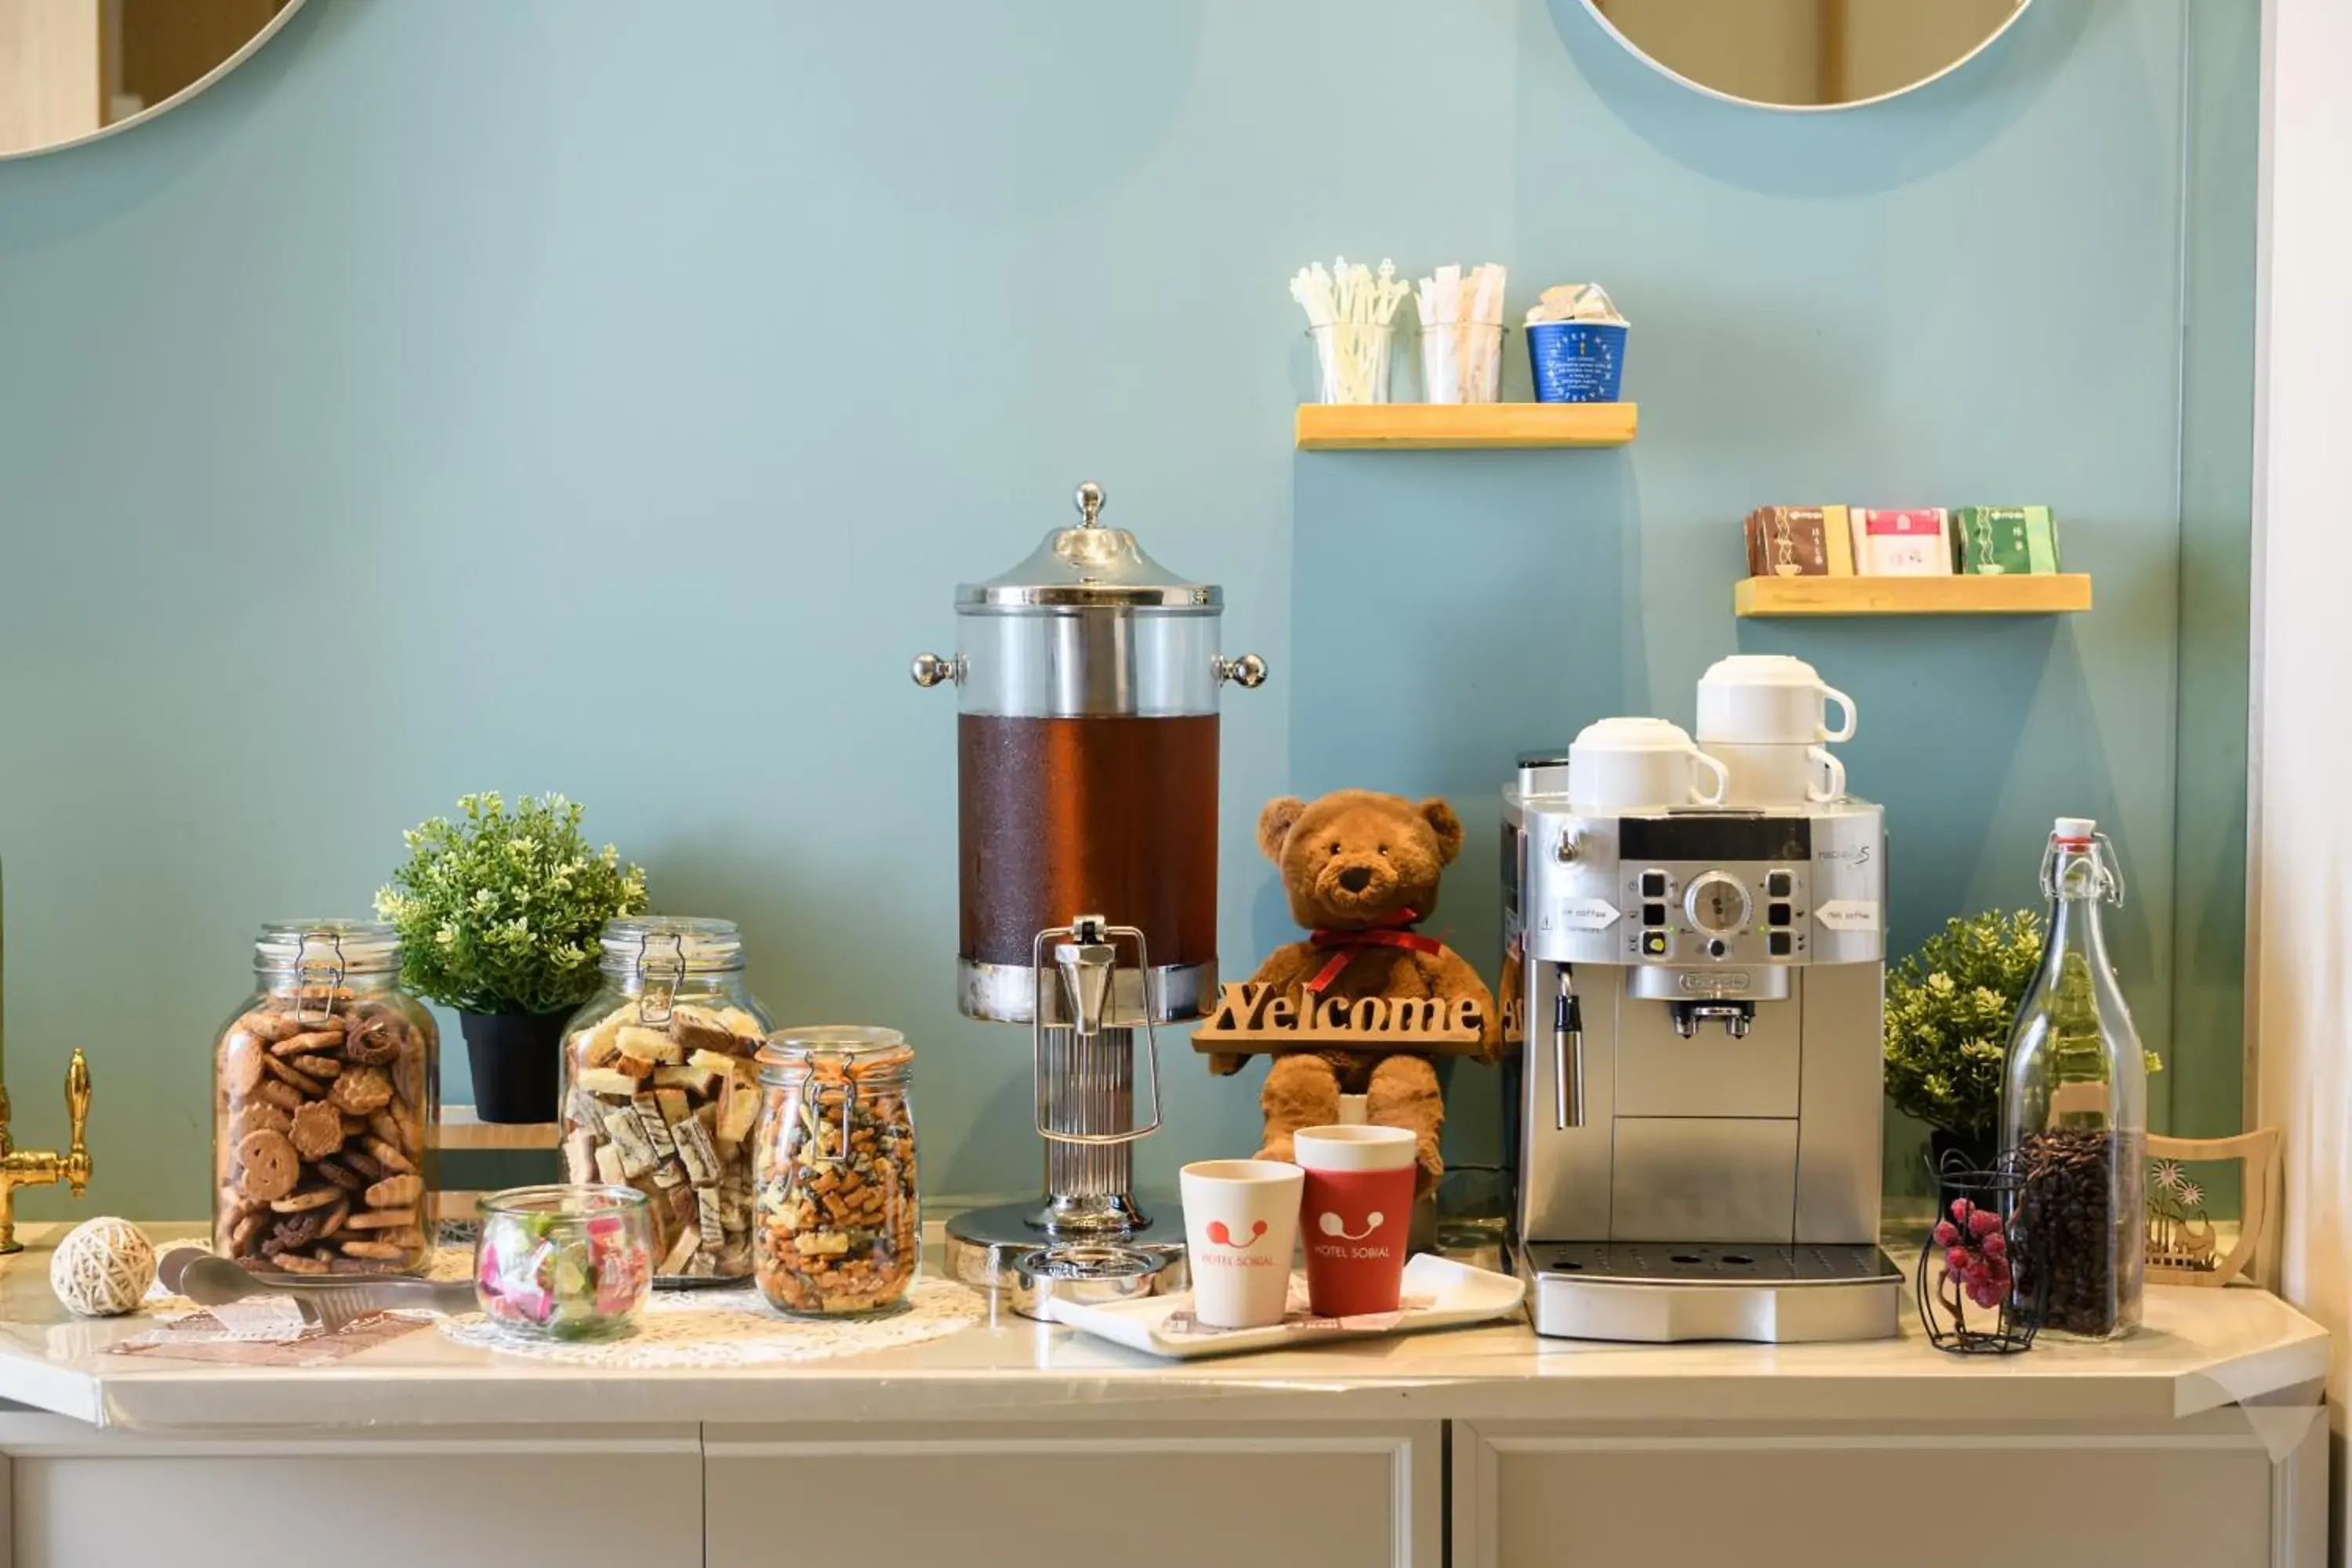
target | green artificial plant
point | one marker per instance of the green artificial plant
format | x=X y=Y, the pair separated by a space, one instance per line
x=499 y=913
x=1949 y=1007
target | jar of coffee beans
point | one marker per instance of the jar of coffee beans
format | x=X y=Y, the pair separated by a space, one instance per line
x=2074 y=1111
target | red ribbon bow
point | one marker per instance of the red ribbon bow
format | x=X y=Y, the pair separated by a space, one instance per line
x=1393 y=931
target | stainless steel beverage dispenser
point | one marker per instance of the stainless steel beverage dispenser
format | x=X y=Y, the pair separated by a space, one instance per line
x=1086 y=778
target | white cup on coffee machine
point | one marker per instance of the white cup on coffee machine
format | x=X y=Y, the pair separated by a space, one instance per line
x=1768 y=698
x=1777 y=773
x=1635 y=764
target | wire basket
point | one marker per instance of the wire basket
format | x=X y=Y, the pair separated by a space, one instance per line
x=1969 y=1265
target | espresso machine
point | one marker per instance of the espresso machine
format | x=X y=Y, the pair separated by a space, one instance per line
x=1086 y=778
x=1698 y=1138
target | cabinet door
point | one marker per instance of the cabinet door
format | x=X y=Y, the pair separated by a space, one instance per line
x=372 y=1502
x=1174 y=1494
x=1529 y=1496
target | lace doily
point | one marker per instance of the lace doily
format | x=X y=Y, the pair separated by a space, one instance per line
x=734 y=1326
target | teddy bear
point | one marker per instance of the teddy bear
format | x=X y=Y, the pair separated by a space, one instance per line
x=1361 y=872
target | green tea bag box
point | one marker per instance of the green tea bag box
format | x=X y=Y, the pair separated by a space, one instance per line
x=2008 y=538
x=1994 y=540
x=2041 y=538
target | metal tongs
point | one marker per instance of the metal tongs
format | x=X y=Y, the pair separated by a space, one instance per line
x=210 y=1280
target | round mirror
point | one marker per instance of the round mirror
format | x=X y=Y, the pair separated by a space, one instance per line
x=1806 y=54
x=74 y=70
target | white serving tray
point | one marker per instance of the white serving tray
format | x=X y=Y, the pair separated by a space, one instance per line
x=1438 y=1294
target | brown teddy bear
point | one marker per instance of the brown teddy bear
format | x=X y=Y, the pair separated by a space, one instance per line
x=1361 y=870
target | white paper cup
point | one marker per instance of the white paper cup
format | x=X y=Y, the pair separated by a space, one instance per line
x=1241 y=1227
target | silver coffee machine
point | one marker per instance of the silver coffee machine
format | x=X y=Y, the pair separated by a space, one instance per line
x=1698 y=1138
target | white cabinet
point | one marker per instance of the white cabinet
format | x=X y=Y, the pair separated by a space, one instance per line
x=81 y=1497
x=1172 y=1494
x=2229 y=1490
x=1188 y=1485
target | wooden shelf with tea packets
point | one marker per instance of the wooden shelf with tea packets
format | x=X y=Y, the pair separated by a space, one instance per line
x=2015 y=594
x=1441 y=426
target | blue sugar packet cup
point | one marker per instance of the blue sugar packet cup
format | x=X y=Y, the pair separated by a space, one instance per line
x=1577 y=362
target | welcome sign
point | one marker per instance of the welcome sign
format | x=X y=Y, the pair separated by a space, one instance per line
x=1252 y=1019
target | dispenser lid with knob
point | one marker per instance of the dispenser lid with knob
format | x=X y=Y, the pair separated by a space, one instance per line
x=1091 y=566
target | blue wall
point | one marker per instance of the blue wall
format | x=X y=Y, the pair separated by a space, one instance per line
x=607 y=397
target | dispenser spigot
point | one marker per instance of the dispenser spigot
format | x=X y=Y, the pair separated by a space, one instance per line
x=42 y=1168
x=1086 y=965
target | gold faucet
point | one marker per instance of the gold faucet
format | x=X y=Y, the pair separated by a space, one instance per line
x=29 y=1168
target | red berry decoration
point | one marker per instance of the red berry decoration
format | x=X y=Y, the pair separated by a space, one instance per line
x=1976 y=1262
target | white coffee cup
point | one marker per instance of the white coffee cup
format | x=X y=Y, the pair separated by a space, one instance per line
x=1241 y=1227
x=1769 y=697
x=1632 y=764
x=1779 y=773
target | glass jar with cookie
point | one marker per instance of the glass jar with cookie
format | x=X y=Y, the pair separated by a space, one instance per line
x=660 y=1092
x=325 y=1098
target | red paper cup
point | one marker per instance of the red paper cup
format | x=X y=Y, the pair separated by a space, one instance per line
x=1357 y=1216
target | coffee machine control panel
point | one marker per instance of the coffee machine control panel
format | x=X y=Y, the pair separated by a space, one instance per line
x=1696 y=889
x=1704 y=912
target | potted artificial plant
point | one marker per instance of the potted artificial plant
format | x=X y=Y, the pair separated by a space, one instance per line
x=498 y=917
x=1948 y=1010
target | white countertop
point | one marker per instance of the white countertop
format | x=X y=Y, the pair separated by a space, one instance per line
x=2199 y=1349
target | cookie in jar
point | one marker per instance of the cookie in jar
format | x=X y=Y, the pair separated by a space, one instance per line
x=840 y=1227
x=660 y=1092
x=325 y=1095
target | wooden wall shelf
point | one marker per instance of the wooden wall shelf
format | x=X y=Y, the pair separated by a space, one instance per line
x=1434 y=427
x=2046 y=594
x=461 y=1129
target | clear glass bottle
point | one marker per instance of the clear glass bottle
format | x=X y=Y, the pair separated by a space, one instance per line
x=660 y=1093
x=326 y=1092
x=840 y=1223
x=2075 y=1109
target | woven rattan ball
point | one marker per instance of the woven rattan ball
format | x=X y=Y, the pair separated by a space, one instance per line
x=102 y=1267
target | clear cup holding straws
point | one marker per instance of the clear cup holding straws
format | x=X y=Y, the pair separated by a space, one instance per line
x=1461 y=362
x=1352 y=359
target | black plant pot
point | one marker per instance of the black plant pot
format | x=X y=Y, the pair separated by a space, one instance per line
x=516 y=1059
x=1946 y=1149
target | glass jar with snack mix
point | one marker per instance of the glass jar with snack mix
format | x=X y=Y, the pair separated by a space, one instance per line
x=660 y=1093
x=325 y=1098
x=840 y=1227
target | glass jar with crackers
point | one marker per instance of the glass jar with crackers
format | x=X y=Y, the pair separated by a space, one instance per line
x=325 y=1098
x=840 y=1227
x=660 y=1092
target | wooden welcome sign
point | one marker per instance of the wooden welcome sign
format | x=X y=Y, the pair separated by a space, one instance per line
x=1252 y=1020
